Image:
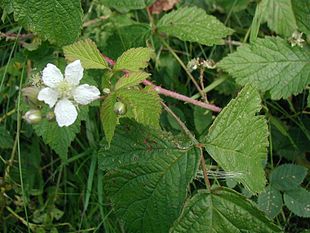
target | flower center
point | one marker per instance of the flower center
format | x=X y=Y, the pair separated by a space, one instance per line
x=64 y=89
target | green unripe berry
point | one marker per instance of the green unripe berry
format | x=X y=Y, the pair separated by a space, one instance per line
x=120 y=108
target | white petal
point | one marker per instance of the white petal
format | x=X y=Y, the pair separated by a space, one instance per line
x=74 y=72
x=84 y=94
x=48 y=95
x=51 y=75
x=65 y=113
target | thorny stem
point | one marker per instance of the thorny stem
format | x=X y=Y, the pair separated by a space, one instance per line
x=194 y=140
x=183 y=98
x=173 y=94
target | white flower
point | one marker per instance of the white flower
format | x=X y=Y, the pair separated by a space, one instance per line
x=65 y=92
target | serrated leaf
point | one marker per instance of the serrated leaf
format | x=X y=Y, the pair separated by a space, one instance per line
x=142 y=105
x=152 y=171
x=134 y=59
x=270 y=64
x=238 y=140
x=59 y=21
x=133 y=79
x=222 y=210
x=60 y=138
x=270 y=201
x=298 y=201
x=194 y=25
x=279 y=16
x=87 y=52
x=6 y=140
x=125 y=5
x=287 y=176
x=302 y=15
x=108 y=117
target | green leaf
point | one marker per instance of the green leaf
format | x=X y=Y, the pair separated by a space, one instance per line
x=202 y=120
x=270 y=201
x=125 y=5
x=279 y=16
x=87 y=52
x=59 y=21
x=194 y=25
x=134 y=59
x=108 y=116
x=298 y=201
x=142 y=105
x=287 y=176
x=222 y=210
x=6 y=140
x=60 y=138
x=302 y=15
x=270 y=64
x=238 y=140
x=152 y=171
x=133 y=79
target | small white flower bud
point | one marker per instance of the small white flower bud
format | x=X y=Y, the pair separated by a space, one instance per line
x=33 y=116
x=106 y=91
x=30 y=94
x=119 y=108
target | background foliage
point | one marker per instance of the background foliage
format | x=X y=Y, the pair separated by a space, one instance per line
x=138 y=161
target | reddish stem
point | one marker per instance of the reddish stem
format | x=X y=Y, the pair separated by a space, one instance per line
x=183 y=98
x=172 y=94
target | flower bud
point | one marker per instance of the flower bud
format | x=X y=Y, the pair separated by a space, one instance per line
x=50 y=116
x=106 y=91
x=33 y=116
x=119 y=108
x=30 y=94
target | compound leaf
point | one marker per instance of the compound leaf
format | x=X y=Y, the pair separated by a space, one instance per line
x=298 y=201
x=194 y=25
x=87 y=52
x=59 y=21
x=270 y=64
x=287 y=176
x=270 y=201
x=142 y=105
x=150 y=172
x=222 y=210
x=133 y=79
x=238 y=140
x=134 y=59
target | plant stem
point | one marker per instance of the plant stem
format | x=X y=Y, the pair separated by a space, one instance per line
x=184 y=98
x=195 y=141
x=183 y=66
x=172 y=94
x=210 y=87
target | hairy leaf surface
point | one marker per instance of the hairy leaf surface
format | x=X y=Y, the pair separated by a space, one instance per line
x=59 y=21
x=134 y=59
x=222 y=210
x=108 y=116
x=194 y=25
x=87 y=52
x=270 y=64
x=133 y=79
x=142 y=105
x=150 y=172
x=238 y=142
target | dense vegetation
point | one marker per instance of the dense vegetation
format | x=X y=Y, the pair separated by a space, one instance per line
x=154 y=116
